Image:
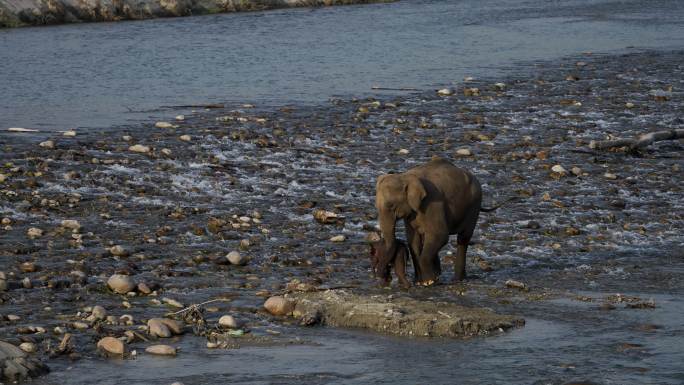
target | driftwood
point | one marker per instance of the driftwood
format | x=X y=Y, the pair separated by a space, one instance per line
x=640 y=141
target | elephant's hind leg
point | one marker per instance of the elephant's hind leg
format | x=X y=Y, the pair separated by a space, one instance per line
x=460 y=261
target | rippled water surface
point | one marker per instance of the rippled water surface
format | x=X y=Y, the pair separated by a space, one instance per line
x=101 y=75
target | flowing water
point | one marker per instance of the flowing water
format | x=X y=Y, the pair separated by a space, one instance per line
x=596 y=252
x=108 y=74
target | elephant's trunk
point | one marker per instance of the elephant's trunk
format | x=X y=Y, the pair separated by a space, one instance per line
x=387 y=223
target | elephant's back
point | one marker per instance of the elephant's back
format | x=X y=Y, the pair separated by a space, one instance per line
x=448 y=178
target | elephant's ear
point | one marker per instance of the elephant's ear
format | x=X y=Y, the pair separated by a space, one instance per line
x=415 y=192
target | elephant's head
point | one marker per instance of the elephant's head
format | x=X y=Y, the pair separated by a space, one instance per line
x=396 y=196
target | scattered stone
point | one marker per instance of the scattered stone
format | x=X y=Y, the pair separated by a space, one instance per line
x=499 y=86
x=172 y=302
x=28 y=347
x=157 y=328
x=403 y=151
x=610 y=176
x=80 y=325
x=161 y=350
x=143 y=288
x=163 y=125
x=235 y=258
x=99 y=312
x=28 y=267
x=516 y=285
x=228 y=321
x=71 y=224
x=120 y=283
x=3 y=281
x=34 y=233
x=445 y=92
x=327 y=217
x=127 y=138
x=118 y=251
x=576 y=171
x=69 y=133
x=558 y=169
x=163 y=327
x=3 y=178
x=111 y=346
x=166 y=151
x=278 y=305
x=464 y=152
x=185 y=138
x=5 y=221
x=13 y=318
x=471 y=91
x=20 y=129
x=180 y=118
x=629 y=105
x=49 y=144
x=139 y=148
x=484 y=265
x=338 y=238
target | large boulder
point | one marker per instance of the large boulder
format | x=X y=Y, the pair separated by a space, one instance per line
x=16 y=365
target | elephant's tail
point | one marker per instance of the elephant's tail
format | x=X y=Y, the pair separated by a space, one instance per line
x=490 y=209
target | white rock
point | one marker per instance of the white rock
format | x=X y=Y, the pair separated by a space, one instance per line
x=127 y=138
x=47 y=144
x=3 y=281
x=500 y=86
x=120 y=283
x=5 y=221
x=20 y=129
x=228 y=321
x=468 y=79
x=338 y=238
x=28 y=347
x=445 y=92
x=609 y=175
x=576 y=171
x=161 y=350
x=71 y=224
x=464 y=152
x=403 y=151
x=172 y=302
x=34 y=232
x=180 y=118
x=69 y=133
x=558 y=169
x=3 y=178
x=185 y=138
x=163 y=125
x=166 y=151
x=629 y=105
x=13 y=317
x=139 y=148
x=235 y=258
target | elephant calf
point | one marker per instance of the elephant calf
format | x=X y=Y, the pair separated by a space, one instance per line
x=378 y=252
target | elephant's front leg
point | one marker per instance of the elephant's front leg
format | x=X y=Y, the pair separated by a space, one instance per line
x=415 y=242
x=429 y=258
x=460 y=262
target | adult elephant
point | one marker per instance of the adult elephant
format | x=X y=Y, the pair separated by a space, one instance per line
x=435 y=200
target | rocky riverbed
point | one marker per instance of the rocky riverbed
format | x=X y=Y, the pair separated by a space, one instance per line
x=117 y=233
x=17 y=13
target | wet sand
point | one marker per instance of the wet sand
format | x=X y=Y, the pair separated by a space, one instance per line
x=576 y=239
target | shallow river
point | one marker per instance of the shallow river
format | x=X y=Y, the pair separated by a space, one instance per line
x=596 y=252
x=102 y=75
